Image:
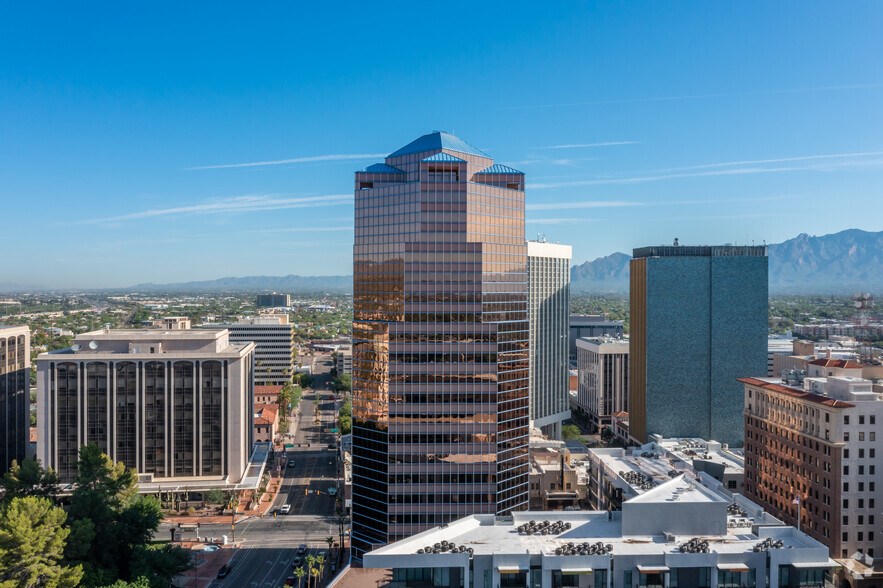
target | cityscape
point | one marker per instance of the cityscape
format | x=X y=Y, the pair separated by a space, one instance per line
x=601 y=313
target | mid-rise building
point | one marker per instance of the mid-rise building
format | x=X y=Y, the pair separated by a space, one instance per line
x=174 y=323
x=811 y=458
x=548 y=266
x=174 y=405
x=441 y=347
x=592 y=325
x=275 y=349
x=343 y=361
x=273 y=300
x=679 y=534
x=603 y=379
x=711 y=302
x=15 y=396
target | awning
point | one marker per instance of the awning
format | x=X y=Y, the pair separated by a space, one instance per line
x=812 y=564
x=576 y=571
x=732 y=567
x=652 y=569
x=509 y=569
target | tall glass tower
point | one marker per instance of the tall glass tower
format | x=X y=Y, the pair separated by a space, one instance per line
x=440 y=341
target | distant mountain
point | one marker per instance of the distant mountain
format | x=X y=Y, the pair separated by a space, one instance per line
x=606 y=274
x=288 y=284
x=839 y=263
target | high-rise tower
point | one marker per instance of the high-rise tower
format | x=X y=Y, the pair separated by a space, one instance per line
x=440 y=340
x=548 y=267
x=15 y=382
x=698 y=321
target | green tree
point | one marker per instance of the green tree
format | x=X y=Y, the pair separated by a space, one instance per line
x=139 y=583
x=343 y=383
x=111 y=526
x=215 y=496
x=311 y=563
x=569 y=432
x=300 y=573
x=28 y=479
x=345 y=424
x=306 y=380
x=32 y=538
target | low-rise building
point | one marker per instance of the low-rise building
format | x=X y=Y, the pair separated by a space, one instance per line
x=555 y=482
x=679 y=534
x=266 y=422
x=617 y=475
x=267 y=394
x=174 y=323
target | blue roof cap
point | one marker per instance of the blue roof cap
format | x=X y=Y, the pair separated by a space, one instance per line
x=499 y=168
x=442 y=156
x=438 y=140
x=382 y=168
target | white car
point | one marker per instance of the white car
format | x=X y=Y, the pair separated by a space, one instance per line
x=286 y=508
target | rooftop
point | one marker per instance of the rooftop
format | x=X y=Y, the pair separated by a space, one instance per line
x=436 y=141
x=775 y=385
x=700 y=251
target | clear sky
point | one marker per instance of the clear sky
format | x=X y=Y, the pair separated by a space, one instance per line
x=123 y=125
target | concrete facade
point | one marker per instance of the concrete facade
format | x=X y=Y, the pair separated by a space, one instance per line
x=176 y=406
x=591 y=325
x=603 y=379
x=548 y=266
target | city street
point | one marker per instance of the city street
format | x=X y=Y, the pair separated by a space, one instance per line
x=269 y=545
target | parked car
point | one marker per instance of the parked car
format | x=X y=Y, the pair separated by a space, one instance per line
x=286 y=508
x=297 y=561
x=302 y=549
x=224 y=571
x=290 y=580
x=291 y=463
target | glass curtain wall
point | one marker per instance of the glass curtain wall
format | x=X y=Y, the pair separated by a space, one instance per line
x=126 y=426
x=440 y=345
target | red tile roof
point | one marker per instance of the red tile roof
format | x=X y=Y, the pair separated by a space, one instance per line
x=267 y=390
x=796 y=393
x=836 y=363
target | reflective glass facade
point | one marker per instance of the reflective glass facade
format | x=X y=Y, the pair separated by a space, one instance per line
x=15 y=381
x=440 y=341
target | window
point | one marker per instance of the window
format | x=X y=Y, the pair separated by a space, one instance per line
x=846 y=470
x=861 y=453
x=871 y=452
x=861 y=470
x=861 y=536
x=846 y=435
x=845 y=519
x=845 y=503
x=846 y=419
x=861 y=520
x=873 y=419
x=846 y=453
x=731 y=484
x=861 y=435
x=845 y=536
x=861 y=419
x=846 y=486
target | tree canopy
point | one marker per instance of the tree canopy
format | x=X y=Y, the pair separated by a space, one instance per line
x=32 y=540
x=28 y=479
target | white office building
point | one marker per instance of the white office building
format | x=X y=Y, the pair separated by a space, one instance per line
x=680 y=534
x=275 y=350
x=548 y=267
x=602 y=378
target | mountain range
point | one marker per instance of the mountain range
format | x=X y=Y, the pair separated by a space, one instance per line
x=839 y=263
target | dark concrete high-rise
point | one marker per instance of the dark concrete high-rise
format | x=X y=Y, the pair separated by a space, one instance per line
x=698 y=321
x=440 y=340
x=15 y=398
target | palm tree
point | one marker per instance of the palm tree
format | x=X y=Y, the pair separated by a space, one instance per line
x=300 y=573
x=315 y=573
x=311 y=561
x=321 y=562
x=330 y=542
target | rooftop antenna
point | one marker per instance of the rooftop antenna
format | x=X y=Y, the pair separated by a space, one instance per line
x=676 y=244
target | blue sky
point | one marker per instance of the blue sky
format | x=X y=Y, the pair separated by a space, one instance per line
x=122 y=125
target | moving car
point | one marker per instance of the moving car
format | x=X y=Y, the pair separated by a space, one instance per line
x=291 y=463
x=286 y=508
x=332 y=491
x=224 y=571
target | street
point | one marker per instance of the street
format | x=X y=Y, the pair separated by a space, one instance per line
x=269 y=545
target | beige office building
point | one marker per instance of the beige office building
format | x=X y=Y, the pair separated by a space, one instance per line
x=175 y=405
